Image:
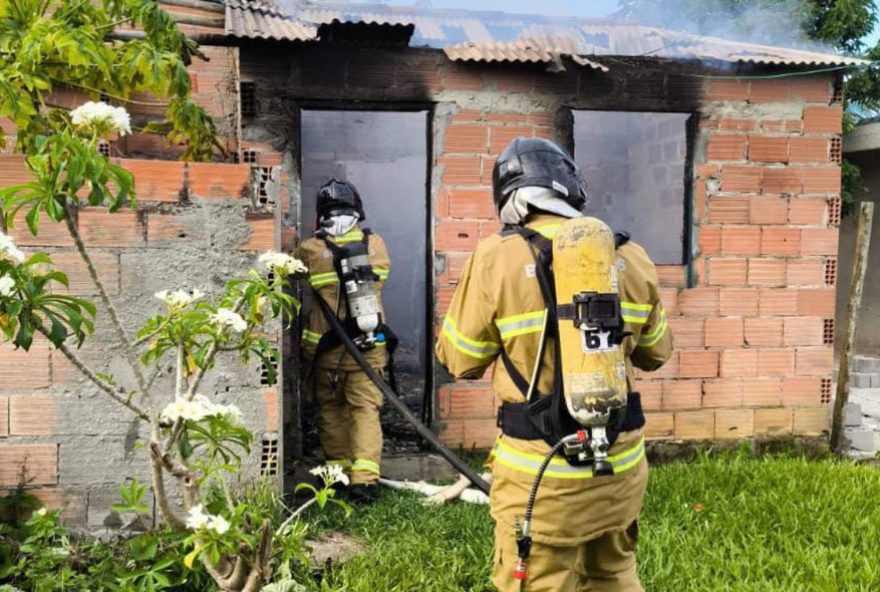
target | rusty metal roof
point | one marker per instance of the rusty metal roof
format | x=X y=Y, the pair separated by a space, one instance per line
x=255 y=19
x=500 y=37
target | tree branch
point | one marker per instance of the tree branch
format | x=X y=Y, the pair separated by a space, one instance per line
x=117 y=395
x=127 y=348
x=260 y=570
x=156 y=465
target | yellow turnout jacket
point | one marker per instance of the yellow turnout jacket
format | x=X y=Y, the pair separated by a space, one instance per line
x=498 y=303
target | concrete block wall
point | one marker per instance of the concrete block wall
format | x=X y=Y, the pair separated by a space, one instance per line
x=194 y=227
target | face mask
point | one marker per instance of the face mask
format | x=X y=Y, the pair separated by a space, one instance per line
x=339 y=224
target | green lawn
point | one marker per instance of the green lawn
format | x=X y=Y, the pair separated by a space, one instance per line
x=763 y=525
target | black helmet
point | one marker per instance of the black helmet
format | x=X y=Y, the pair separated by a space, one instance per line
x=536 y=162
x=336 y=195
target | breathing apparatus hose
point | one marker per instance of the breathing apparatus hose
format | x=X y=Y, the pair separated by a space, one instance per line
x=523 y=536
x=398 y=404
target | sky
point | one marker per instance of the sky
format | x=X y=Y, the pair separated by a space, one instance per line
x=589 y=8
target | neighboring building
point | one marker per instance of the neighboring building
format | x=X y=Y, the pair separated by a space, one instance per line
x=726 y=171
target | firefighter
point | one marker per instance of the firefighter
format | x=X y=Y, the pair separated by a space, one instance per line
x=584 y=527
x=349 y=428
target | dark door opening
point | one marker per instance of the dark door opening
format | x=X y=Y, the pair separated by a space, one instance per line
x=385 y=155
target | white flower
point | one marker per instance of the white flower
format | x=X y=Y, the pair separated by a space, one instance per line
x=281 y=263
x=9 y=251
x=225 y=317
x=198 y=409
x=91 y=113
x=42 y=511
x=6 y=285
x=218 y=524
x=197 y=518
x=179 y=298
x=330 y=474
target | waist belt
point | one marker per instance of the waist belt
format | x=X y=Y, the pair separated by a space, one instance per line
x=515 y=421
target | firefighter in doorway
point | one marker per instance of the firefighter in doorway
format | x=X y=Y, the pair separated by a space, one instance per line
x=584 y=527
x=348 y=265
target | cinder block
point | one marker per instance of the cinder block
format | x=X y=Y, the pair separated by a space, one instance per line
x=852 y=415
x=862 y=439
x=860 y=380
x=866 y=364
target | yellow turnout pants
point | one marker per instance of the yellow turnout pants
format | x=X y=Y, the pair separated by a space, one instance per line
x=348 y=422
x=604 y=564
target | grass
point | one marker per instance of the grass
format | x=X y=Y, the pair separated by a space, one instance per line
x=722 y=523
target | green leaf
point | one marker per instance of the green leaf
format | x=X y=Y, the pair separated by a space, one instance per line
x=33 y=220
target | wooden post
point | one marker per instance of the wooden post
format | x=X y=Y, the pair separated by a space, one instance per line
x=857 y=283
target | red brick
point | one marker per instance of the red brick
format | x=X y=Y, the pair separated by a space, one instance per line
x=480 y=433
x=444 y=298
x=710 y=240
x=769 y=91
x=468 y=116
x=456 y=235
x=462 y=79
x=4 y=417
x=669 y=298
x=72 y=265
x=454 y=266
x=49 y=233
x=800 y=391
x=471 y=203
x=499 y=137
x=37 y=463
x=819 y=241
x=762 y=392
x=739 y=363
x=698 y=364
x=817 y=302
x=768 y=149
x=698 y=302
x=687 y=332
x=734 y=423
x=815 y=361
x=119 y=229
x=461 y=170
x=724 y=147
x=659 y=425
x=778 y=302
x=824 y=120
x=763 y=332
x=720 y=89
x=682 y=394
x=744 y=179
x=165 y=226
x=671 y=275
x=768 y=210
x=805 y=272
x=707 y=170
x=452 y=432
x=725 y=392
x=766 y=272
x=822 y=180
x=729 y=210
x=781 y=180
x=811 y=421
x=780 y=241
x=669 y=369
x=31 y=415
x=775 y=362
x=740 y=240
x=155 y=180
x=72 y=505
x=803 y=331
x=726 y=272
x=738 y=302
x=776 y=421
x=489 y=228
x=651 y=392
x=808 y=210
x=219 y=181
x=466 y=139
x=271 y=410
x=722 y=332
x=262 y=237
x=13 y=361
x=811 y=89
x=471 y=403
x=695 y=425
x=808 y=149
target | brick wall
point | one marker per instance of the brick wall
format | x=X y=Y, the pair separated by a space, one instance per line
x=754 y=331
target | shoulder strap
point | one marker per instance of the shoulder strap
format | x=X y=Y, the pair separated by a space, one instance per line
x=621 y=238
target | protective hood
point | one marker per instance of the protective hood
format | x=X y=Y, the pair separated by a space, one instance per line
x=516 y=209
x=339 y=224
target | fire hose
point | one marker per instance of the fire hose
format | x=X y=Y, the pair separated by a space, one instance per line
x=398 y=404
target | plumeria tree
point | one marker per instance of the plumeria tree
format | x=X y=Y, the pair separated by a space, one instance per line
x=192 y=442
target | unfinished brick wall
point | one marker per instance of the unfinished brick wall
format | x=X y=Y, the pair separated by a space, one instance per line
x=195 y=226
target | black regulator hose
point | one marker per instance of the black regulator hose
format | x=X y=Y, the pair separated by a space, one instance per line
x=391 y=396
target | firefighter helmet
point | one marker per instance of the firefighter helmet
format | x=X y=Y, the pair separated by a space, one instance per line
x=536 y=162
x=338 y=196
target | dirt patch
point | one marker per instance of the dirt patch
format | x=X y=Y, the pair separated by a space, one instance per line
x=333 y=549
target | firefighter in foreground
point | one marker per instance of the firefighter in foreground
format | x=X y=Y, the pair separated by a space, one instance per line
x=583 y=530
x=347 y=266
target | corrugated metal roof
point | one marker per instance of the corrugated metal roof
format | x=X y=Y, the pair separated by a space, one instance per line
x=500 y=37
x=254 y=19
